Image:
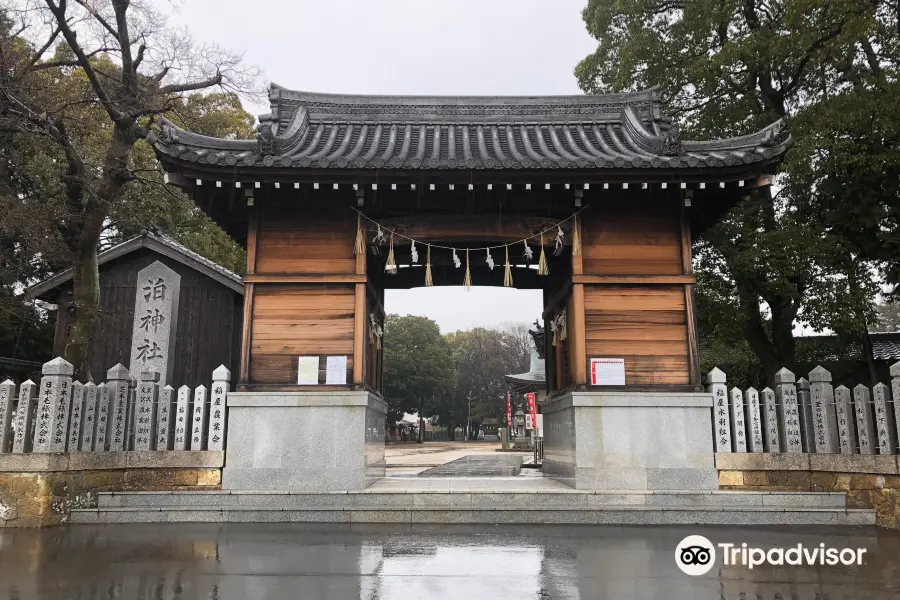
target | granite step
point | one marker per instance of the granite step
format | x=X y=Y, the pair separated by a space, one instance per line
x=500 y=514
x=468 y=499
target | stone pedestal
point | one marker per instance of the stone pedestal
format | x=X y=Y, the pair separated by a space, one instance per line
x=630 y=441
x=304 y=441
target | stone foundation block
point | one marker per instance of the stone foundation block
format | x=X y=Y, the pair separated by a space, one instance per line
x=630 y=441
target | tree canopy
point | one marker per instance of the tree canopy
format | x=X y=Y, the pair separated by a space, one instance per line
x=440 y=376
x=81 y=86
x=813 y=251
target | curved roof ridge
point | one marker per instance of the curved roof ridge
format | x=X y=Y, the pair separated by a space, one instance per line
x=277 y=92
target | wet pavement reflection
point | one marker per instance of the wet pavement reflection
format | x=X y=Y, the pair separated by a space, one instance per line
x=268 y=562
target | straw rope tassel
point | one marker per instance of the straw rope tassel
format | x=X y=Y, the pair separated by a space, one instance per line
x=360 y=247
x=468 y=280
x=543 y=269
x=576 y=239
x=507 y=276
x=391 y=265
x=428 y=282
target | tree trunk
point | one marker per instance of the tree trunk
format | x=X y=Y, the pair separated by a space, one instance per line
x=421 y=421
x=86 y=296
x=870 y=357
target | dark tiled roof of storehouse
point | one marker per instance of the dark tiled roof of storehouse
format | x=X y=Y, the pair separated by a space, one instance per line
x=331 y=131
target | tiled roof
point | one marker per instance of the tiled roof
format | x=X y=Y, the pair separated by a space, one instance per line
x=885 y=346
x=160 y=243
x=329 y=131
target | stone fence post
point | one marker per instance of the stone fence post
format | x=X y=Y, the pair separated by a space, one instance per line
x=846 y=421
x=164 y=419
x=738 y=421
x=53 y=406
x=895 y=389
x=221 y=381
x=144 y=411
x=823 y=411
x=76 y=420
x=887 y=436
x=198 y=428
x=721 y=421
x=770 y=421
x=754 y=421
x=101 y=442
x=7 y=397
x=183 y=419
x=807 y=430
x=865 y=425
x=89 y=432
x=786 y=396
x=118 y=385
x=25 y=417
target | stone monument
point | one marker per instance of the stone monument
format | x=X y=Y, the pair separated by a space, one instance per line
x=155 y=321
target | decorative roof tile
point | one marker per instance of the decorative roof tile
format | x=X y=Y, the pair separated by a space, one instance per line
x=331 y=131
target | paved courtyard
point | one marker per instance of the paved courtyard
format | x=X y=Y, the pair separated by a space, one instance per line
x=275 y=562
x=406 y=459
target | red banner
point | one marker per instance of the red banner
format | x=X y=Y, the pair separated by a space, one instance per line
x=508 y=411
x=533 y=409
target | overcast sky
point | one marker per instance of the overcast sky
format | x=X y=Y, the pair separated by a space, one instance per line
x=449 y=47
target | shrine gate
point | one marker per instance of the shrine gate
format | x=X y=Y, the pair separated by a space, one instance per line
x=342 y=197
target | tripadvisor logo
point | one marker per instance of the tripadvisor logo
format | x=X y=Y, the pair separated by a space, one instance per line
x=696 y=555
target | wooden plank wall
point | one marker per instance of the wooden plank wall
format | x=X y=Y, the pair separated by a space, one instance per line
x=645 y=323
x=647 y=326
x=303 y=303
x=292 y=320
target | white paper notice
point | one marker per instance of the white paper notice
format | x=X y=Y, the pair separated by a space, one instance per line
x=308 y=370
x=607 y=371
x=336 y=370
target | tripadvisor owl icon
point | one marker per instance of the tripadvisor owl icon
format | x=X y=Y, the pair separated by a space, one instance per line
x=695 y=555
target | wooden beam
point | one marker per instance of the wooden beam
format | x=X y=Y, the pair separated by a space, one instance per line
x=635 y=279
x=252 y=234
x=686 y=242
x=575 y=324
x=557 y=299
x=693 y=344
x=374 y=294
x=246 y=333
x=687 y=265
x=497 y=228
x=359 y=335
x=304 y=278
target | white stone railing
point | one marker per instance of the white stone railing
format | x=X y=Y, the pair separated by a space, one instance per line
x=806 y=416
x=120 y=414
